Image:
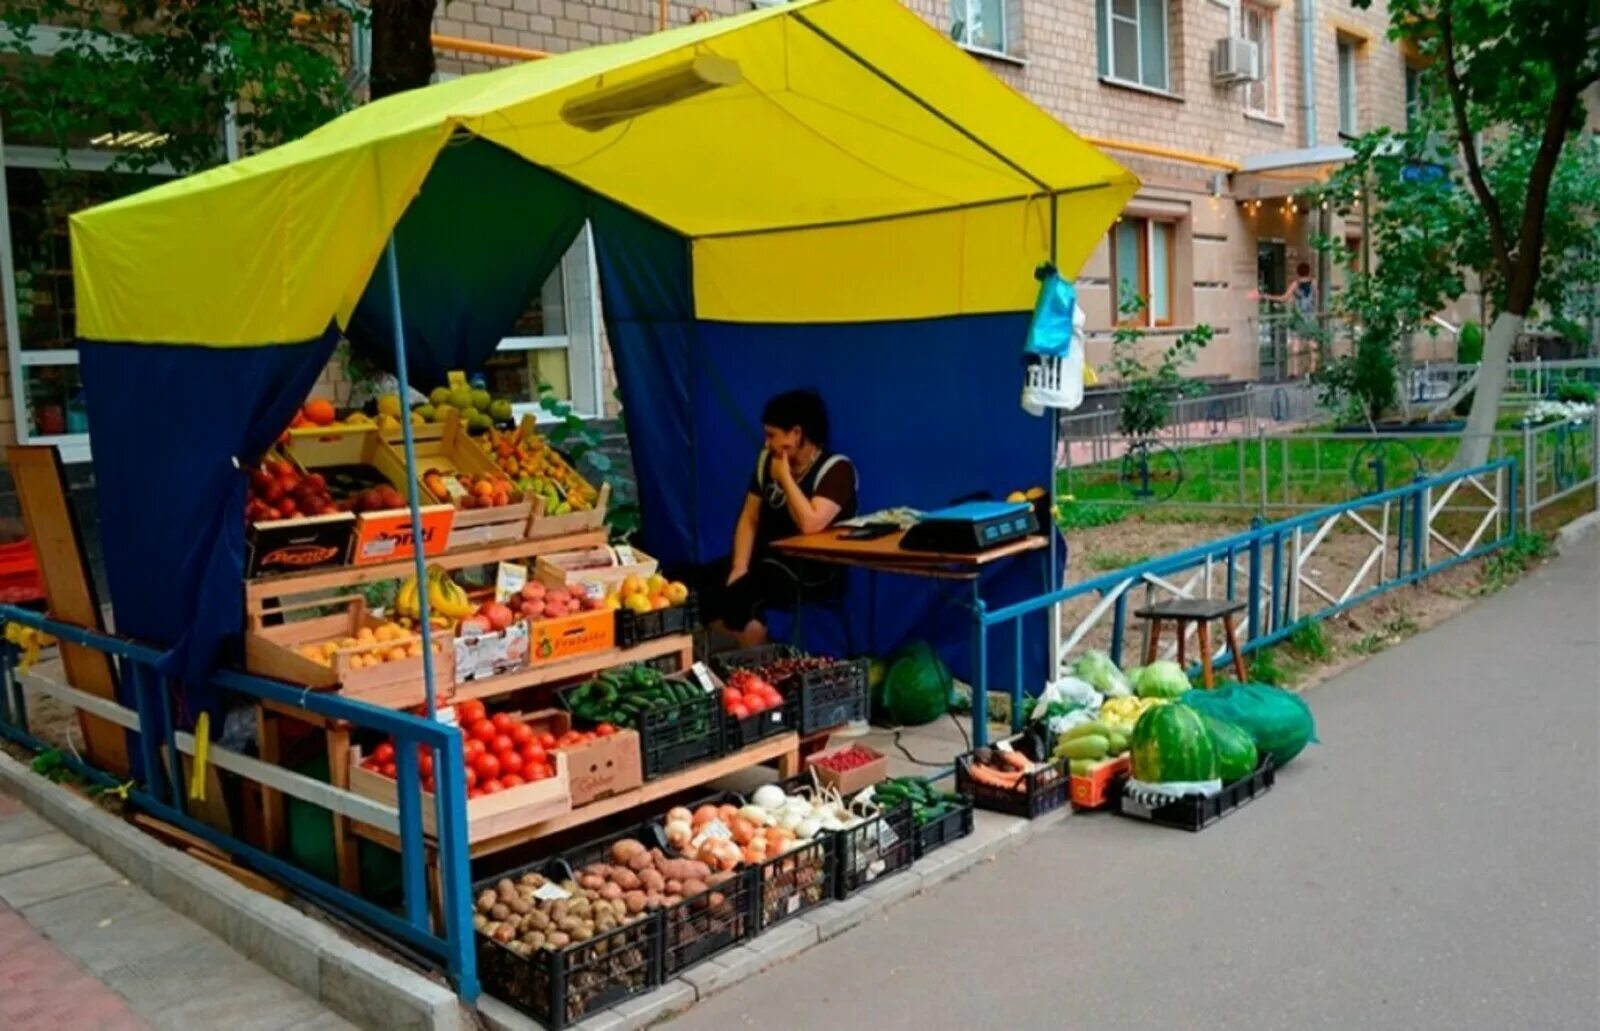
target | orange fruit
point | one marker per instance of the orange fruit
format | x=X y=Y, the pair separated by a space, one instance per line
x=320 y=411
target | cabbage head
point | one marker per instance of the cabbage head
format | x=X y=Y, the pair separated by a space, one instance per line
x=1161 y=679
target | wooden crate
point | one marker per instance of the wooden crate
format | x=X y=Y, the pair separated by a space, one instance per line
x=606 y=567
x=488 y=816
x=603 y=768
x=271 y=652
x=541 y=525
x=448 y=448
x=385 y=535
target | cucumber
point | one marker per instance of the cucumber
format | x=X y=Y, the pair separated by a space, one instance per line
x=1091 y=746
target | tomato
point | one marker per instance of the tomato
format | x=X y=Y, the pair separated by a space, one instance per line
x=503 y=722
x=484 y=731
x=521 y=734
x=732 y=696
x=472 y=749
x=547 y=740
x=474 y=793
x=739 y=712
x=541 y=771
x=388 y=770
x=510 y=761
x=384 y=753
x=501 y=743
x=427 y=784
x=491 y=787
x=425 y=764
x=470 y=711
x=511 y=780
x=534 y=753
x=488 y=766
x=472 y=778
x=605 y=730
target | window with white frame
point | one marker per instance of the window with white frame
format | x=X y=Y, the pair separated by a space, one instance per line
x=991 y=26
x=1143 y=262
x=556 y=342
x=1348 y=104
x=1261 y=96
x=41 y=184
x=1134 y=42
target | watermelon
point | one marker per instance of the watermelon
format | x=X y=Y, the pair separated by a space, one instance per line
x=1170 y=744
x=1236 y=749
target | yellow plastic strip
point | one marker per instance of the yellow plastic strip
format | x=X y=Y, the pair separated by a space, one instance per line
x=202 y=752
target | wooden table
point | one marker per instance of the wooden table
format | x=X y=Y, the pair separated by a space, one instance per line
x=884 y=555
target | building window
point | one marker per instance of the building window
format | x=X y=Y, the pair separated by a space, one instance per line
x=1133 y=42
x=1413 y=95
x=1142 y=253
x=556 y=342
x=1261 y=96
x=983 y=25
x=1347 y=87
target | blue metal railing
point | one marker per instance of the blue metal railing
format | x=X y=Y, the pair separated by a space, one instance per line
x=160 y=789
x=1259 y=554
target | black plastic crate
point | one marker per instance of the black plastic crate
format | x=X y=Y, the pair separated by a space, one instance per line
x=1043 y=790
x=953 y=825
x=676 y=735
x=1193 y=812
x=827 y=697
x=637 y=627
x=746 y=732
x=559 y=987
x=881 y=845
x=796 y=882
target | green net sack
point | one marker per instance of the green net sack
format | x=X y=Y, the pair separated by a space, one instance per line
x=1279 y=721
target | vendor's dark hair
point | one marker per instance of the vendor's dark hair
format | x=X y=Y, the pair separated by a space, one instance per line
x=1303 y=269
x=802 y=408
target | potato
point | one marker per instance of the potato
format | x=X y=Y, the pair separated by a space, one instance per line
x=716 y=899
x=583 y=933
x=693 y=888
x=625 y=850
x=504 y=885
x=672 y=900
x=500 y=911
x=520 y=906
x=559 y=910
x=479 y=921
x=592 y=881
x=624 y=878
x=540 y=919
x=535 y=939
x=674 y=886
x=611 y=891
x=530 y=880
x=606 y=921
x=486 y=901
x=557 y=939
x=652 y=880
x=635 y=901
x=619 y=908
x=720 y=877
x=641 y=861
x=695 y=870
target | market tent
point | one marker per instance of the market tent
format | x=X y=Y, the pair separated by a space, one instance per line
x=828 y=181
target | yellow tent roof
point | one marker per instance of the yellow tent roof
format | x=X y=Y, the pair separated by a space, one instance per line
x=862 y=167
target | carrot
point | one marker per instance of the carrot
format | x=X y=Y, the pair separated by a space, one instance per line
x=1016 y=759
x=995 y=778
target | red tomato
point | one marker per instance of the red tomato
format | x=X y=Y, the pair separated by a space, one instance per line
x=547 y=740
x=488 y=766
x=510 y=761
x=484 y=731
x=605 y=730
x=521 y=734
x=511 y=780
x=491 y=787
x=427 y=784
x=472 y=749
x=501 y=743
x=732 y=696
x=425 y=764
x=534 y=753
x=503 y=722
x=739 y=712
x=472 y=778
x=474 y=793
x=469 y=712
x=384 y=753
x=388 y=770
x=541 y=771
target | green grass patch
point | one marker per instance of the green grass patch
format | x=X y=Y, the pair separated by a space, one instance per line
x=1106 y=561
x=1308 y=643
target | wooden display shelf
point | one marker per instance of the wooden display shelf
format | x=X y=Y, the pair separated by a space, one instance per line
x=681 y=645
x=257 y=591
x=784 y=749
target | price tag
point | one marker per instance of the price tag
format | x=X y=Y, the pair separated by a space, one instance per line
x=703 y=676
x=714 y=829
x=509 y=579
x=793 y=903
x=446 y=715
x=454 y=488
x=550 y=891
x=625 y=556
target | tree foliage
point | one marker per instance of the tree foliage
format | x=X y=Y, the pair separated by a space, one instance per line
x=178 y=71
x=1149 y=390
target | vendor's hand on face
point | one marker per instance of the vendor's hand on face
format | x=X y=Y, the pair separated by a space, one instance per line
x=782 y=473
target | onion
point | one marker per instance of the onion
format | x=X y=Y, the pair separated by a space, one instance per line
x=808 y=828
x=769 y=796
x=790 y=820
x=756 y=815
x=678 y=834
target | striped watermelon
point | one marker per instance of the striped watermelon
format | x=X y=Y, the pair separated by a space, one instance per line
x=1170 y=743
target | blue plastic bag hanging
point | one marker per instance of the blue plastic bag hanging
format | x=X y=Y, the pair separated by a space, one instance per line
x=1054 y=350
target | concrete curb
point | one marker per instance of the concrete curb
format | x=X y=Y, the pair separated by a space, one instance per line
x=1577 y=530
x=361 y=986
x=992 y=836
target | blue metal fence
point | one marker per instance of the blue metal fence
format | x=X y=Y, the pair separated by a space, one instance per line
x=1263 y=564
x=159 y=788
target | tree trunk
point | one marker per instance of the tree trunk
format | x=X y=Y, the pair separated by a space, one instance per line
x=402 y=45
x=1475 y=439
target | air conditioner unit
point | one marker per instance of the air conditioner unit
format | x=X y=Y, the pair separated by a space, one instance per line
x=1235 y=60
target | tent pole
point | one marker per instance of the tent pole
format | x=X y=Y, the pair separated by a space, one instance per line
x=1057 y=577
x=413 y=500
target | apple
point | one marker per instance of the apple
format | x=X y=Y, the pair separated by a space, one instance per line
x=498 y=615
x=533 y=609
x=534 y=591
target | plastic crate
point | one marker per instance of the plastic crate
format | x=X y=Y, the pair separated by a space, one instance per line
x=743 y=733
x=873 y=850
x=940 y=831
x=637 y=627
x=818 y=699
x=19 y=574
x=1193 y=812
x=678 y=735
x=1043 y=790
x=559 y=987
x=796 y=882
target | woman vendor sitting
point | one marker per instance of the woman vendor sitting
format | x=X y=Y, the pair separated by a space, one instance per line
x=798 y=487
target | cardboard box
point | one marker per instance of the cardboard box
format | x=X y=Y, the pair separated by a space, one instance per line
x=600 y=769
x=281 y=546
x=488 y=816
x=604 y=568
x=397 y=684
x=581 y=633
x=1094 y=791
x=850 y=781
x=481 y=656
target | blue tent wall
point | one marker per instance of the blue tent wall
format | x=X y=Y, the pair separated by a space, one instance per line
x=928 y=410
x=172 y=486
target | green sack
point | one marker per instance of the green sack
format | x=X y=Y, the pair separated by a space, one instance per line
x=1279 y=721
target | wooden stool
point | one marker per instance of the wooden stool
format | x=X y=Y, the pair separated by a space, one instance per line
x=1201 y=611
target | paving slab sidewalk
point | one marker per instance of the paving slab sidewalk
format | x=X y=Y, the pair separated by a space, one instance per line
x=81 y=947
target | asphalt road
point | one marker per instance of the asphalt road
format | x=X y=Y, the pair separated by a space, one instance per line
x=1434 y=863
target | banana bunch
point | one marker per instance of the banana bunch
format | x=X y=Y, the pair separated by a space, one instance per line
x=446 y=597
x=406 y=601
